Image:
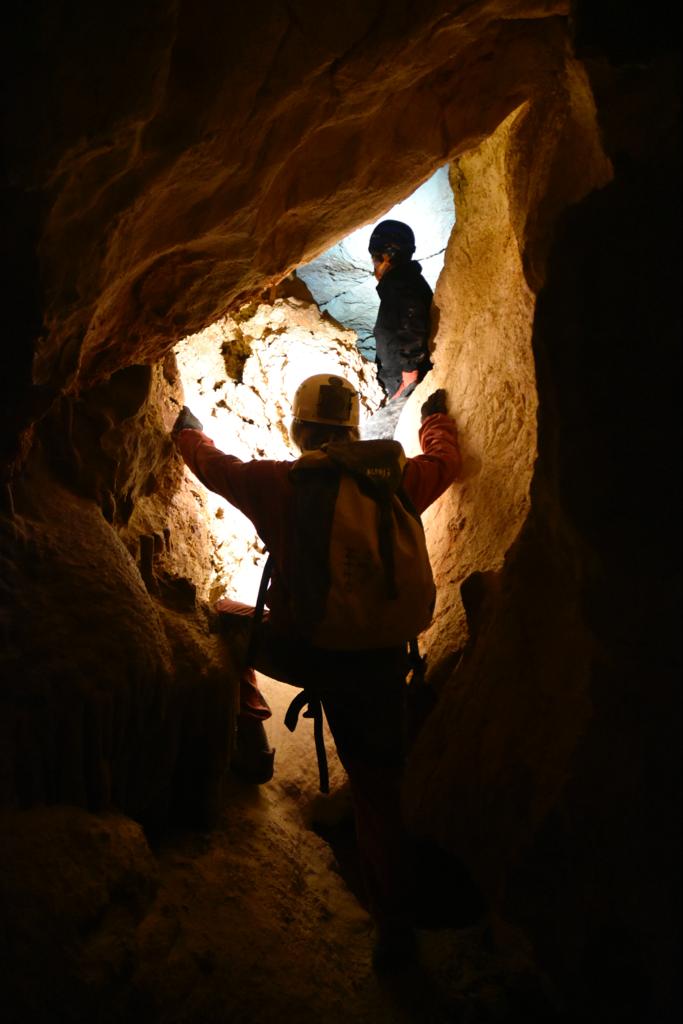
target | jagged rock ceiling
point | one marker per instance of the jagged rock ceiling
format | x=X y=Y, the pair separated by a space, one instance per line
x=178 y=162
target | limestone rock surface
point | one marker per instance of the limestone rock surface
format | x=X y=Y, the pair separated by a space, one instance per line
x=540 y=746
x=168 y=164
x=239 y=376
x=482 y=350
x=73 y=889
x=109 y=694
x=151 y=221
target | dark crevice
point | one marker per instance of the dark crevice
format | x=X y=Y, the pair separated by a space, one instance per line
x=440 y=894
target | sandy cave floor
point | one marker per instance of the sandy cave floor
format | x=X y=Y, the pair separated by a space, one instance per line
x=254 y=921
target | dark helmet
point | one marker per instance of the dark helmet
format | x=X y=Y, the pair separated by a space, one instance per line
x=392 y=237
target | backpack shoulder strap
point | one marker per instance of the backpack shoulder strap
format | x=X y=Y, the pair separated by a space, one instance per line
x=316 y=485
x=260 y=605
x=377 y=467
x=377 y=464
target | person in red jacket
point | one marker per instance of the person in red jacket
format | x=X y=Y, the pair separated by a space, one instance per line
x=364 y=690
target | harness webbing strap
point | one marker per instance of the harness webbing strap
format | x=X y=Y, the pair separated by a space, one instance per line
x=386 y=543
x=303 y=699
x=315 y=711
x=260 y=605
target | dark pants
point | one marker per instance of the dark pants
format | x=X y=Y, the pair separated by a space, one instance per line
x=363 y=697
x=394 y=356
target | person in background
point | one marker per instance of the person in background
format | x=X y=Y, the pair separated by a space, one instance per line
x=403 y=319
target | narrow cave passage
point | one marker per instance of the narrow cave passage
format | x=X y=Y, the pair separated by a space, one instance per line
x=238 y=376
x=261 y=896
x=169 y=162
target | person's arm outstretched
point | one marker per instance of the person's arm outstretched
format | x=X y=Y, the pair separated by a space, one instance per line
x=427 y=476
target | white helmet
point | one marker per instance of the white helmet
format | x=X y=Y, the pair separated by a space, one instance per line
x=326 y=399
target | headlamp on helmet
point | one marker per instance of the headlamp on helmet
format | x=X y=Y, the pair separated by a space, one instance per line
x=326 y=398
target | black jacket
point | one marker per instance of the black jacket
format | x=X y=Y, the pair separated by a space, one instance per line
x=402 y=327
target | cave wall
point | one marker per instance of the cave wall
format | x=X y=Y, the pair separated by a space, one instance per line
x=550 y=766
x=145 y=196
x=147 y=193
x=153 y=184
x=73 y=890
x=482 y=348
x=116 y=692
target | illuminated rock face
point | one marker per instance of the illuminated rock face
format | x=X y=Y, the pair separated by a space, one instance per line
x=239 y=377
x=162 y=181
x=155 y=185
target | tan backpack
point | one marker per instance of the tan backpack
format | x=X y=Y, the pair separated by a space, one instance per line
x=363 y=578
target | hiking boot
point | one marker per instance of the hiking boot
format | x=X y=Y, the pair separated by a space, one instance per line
x=253 y=757
x=395 y=949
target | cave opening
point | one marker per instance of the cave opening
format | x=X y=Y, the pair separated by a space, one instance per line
x=239 y=375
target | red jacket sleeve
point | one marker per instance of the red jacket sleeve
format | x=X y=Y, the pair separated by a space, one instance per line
x=259 y=488
x=427 y=476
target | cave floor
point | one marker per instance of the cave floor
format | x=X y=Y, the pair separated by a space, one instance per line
x=256 y=920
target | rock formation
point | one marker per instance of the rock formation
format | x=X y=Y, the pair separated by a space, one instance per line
x=239 y=376
x=168 y=166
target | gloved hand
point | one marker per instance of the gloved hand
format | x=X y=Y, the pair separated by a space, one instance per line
x=408 y=377
x=186 y=420
x=437 y=402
